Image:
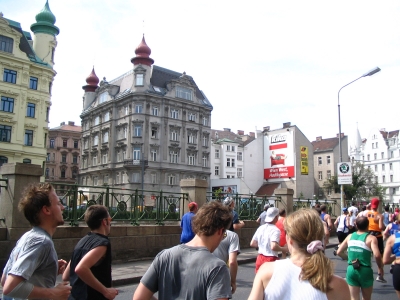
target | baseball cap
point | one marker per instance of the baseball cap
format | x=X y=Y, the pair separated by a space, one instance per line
x=344 y=209
x=272 y=212
x=374 y=202
x=192 y=205
x=228 y=201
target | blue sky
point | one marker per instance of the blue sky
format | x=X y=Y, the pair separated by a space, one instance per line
x=260 y=63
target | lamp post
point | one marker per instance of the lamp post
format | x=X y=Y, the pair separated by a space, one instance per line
x=370 y=73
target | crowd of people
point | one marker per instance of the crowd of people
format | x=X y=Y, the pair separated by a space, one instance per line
x=204 y=265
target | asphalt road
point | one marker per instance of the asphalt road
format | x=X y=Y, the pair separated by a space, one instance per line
x=382 y=291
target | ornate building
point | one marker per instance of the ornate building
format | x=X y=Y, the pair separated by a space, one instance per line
x=27 y=67
x=148 y=128
x=63 y=154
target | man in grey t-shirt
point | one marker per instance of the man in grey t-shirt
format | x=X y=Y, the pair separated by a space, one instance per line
x=33 y=265
x=191 y=271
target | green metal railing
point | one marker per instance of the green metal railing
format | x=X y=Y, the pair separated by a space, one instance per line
x=125 y=205
x=332 y=206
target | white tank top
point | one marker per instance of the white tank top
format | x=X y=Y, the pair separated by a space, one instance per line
x=285 y=284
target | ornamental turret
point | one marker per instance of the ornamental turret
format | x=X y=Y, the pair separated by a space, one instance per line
x=92 y=80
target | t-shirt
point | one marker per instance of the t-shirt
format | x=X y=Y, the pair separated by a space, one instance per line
x=228 y=245
x=262 y=217
x=184 y=272
x=265 y=235
x=101 y=270
x=186 y=223
x=34 y=258
x=279 y=224
x=354 y=210
x=235 y=219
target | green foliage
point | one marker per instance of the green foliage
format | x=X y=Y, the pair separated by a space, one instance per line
x=364 y=185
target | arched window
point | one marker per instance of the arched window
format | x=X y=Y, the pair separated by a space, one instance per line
x=26 y=161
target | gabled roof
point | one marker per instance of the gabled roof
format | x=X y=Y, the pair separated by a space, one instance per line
x=389 y=134
x=325 y=144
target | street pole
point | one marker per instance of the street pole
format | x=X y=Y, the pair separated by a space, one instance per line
x=372 y=72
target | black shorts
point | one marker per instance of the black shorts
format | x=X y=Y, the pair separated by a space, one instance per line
x=396 y=277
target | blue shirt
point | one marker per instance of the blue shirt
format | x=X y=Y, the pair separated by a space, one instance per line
x=186 y=224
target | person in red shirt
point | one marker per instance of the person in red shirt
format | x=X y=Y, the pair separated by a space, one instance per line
x=279 y=224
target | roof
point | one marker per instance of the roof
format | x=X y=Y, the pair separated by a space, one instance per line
x=389 y=134
x=267 y=189
x=325 y=144
x=225 y=136
x=68 y=128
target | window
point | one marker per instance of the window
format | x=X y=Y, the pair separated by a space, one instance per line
x=135 y=177
x=376 y=168
x=376 y=145
x=30 y=110
x=192 y=138
x=390 y=166
x=171 y=179
x=95 y=160
x=154 y=132
x=26 y=161
x=117 y=178
x=6 y=44
x=216 y=153
x=233 y=162
x=62 y=173
x=107 y=116
x=138 y=109
x=95 y=180
x=375 y=156
x=126 y=110
x=75 y=159
x=174 y=114
x=173 y=157
x=136 y=153
x=319 y=160
x=33 y=81
x=48 y=157
x=228 y=162
x=368 y=157
x=155 y=111
x=216 y=170
x=105 y=137
x=65 y=143
x=205 y=140
x=382 y=155
x=52 y=143
x=63 y=158
x=228 y=148
x=391 y=154
x=391 y=178
x=123 y=155
x=383 y=167
x=383 y=179
x=205 y=161
x=105 y=179
x=153 y=178
x=5 y=133
x=76 y=144
x=240 y=156
x=328 y=174
x=28 y=137
x=174 y=135
x=192 y=117
x=125 y=132
x=328 y=160
x=10 y=76
x=47 y=173
x=96 y=120
x=205 y=121
x=192 y=159
x=137 y=130
x=95 y=140
x=103 y=97
x=104 y=158
x=7 y=104
x=153 y=154
x=139 y=79
x=239 y=173
x=319 y=175
x=233 y=148
x=118 y=156
x=183 y=93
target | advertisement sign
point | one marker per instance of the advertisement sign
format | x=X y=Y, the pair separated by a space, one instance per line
x=344 y=173
x=304 y=160
x=278 y=155
x=225 y=189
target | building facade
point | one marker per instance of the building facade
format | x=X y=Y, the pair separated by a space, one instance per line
x=380 y=152
x=326 y=158
x=148 y=128
x=63 y=154
x=25 y=89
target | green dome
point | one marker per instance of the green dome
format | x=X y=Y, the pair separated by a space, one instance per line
x=45 y=21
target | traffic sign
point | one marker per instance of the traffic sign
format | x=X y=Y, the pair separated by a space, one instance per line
x=344 y=173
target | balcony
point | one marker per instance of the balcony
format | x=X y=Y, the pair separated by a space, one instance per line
x=136 y=163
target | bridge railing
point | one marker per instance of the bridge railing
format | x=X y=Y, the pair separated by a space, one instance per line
x=332 y=205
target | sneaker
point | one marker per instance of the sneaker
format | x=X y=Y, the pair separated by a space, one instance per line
x=380 y=279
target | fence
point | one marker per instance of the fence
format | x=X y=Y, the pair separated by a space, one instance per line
x=332 y=206
x=125 y=205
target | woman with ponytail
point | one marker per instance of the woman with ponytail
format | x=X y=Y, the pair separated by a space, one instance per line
x=308 y=274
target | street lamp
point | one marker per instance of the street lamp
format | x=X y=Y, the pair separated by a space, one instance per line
x=370 y=73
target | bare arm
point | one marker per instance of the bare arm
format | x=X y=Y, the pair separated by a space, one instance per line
x=261 y=281
x=84 y=272
x=388 y=258
x=386 y=233
x=233 y=268
x=275 y=247
x=326 y=234
x=381 y=224
x=343 y=246
x=340 y=289
x=143 y=293
x=238 y=225
x=328 y=220
x=258 y=220
x=254 y=243
x=65 y=276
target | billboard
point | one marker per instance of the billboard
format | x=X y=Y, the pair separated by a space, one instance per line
x=304 y=160
x=279 y=155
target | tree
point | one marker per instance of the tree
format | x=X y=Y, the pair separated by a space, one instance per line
x=364 y=185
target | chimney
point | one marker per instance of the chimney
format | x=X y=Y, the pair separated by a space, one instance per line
x=319 y=138
x=227 y=129
x=62 y=123
x=286 y=125
x=266 y=128
x=252 y=134
x=71 y=123
x=240 y=132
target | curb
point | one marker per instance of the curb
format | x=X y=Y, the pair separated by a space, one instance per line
x=136 y=279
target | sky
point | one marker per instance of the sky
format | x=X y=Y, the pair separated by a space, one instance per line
x=260 y=63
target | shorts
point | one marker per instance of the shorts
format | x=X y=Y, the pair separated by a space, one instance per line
x=263 y=259
x=396 y=277
x=362 y=277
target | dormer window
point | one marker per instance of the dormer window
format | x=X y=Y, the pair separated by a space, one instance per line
x=103 y=97
x=183 y=93
x=6 y=44
x=139 y=80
